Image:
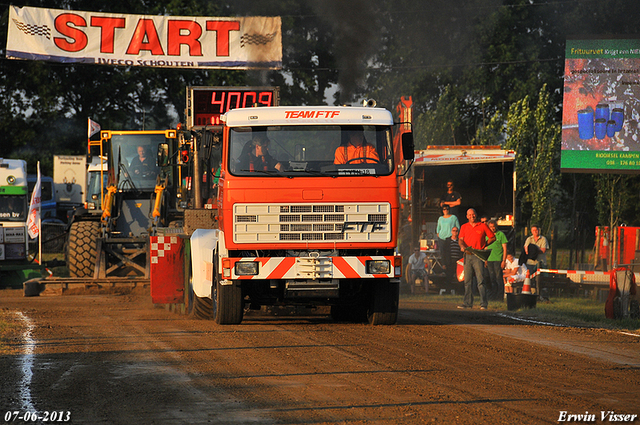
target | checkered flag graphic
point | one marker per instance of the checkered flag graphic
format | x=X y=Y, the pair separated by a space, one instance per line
x=256 y=39
x=29 y=29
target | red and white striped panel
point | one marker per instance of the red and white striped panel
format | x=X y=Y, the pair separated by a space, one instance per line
x=161 y=246
x=314 y=268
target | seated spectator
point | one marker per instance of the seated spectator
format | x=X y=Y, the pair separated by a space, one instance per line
x=512 y=273
x=511 y=266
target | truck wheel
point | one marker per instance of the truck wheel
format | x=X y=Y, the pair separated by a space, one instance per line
x=383 y=309
x=228 y=308
x=202 y=308
x=197 y=307
x=81 y=248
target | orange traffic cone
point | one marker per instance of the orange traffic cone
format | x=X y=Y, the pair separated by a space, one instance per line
x=526 y=286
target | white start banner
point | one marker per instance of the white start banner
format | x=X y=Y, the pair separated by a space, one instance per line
x=142 y=40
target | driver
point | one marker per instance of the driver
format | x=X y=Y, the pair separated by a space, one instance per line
x=142 y=164
x=357 y=150
x=255 y=154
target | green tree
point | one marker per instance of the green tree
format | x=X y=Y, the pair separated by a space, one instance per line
x=439 y=126
x=613 y=192
x=536 y=139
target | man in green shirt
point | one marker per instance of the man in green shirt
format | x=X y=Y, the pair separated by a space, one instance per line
x=497 y=261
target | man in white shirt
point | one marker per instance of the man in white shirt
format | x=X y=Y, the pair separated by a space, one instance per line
x=417 y=268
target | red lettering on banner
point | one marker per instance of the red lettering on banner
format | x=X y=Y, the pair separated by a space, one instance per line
x=146 y=30
x=176 y=37
x=78 y=37
x=107 y=31
x=222 y=29
x=145 y=37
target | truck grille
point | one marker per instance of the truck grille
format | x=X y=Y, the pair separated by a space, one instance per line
x=274 y=223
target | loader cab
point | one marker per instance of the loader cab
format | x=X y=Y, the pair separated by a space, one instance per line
x=137 y=159
x=138 y=171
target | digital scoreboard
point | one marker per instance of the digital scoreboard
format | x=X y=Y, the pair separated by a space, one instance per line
x=205 y=105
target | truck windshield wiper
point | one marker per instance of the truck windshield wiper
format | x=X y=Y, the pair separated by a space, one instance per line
x=269 y=172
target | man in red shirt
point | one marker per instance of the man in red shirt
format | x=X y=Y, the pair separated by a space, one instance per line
x=476 y=235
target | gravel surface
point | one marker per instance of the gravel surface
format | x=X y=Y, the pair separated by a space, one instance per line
x=118 y=359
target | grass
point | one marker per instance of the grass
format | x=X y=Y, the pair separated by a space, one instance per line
x=578 y=312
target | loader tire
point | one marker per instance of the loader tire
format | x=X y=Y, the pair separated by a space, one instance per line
x=383 y=309
x=81 y=248
x=228 y=308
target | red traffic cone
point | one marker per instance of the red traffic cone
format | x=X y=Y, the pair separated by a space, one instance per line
x=526 y=286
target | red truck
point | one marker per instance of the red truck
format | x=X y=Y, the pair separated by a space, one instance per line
x=306 y=226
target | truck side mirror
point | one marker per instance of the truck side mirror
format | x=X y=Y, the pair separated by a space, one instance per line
x=407 y=146
x=163 y=155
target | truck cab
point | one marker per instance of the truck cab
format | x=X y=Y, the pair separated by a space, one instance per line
x=14 y=206
x=308 y=214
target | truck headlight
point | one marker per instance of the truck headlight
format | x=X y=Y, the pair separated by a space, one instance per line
x=246 y=268
x=378 y=266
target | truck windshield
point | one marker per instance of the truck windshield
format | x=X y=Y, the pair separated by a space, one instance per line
x=13 y=207
x=137 y=165
x=314 y=150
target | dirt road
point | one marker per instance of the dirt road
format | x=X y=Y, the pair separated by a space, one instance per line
x=117 y=359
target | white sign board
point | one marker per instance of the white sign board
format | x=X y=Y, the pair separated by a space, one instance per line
x=143 y=40
x=69 y=178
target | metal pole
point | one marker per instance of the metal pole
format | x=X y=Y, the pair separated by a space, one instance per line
x=197 y=175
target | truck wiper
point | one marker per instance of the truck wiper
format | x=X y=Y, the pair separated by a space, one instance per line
x=269 y=172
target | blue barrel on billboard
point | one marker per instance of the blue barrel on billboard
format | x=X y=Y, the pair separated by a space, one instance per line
x=618 y=116
x=611 y=128
x=600 y=128
x=585 y=123
x=602 y=111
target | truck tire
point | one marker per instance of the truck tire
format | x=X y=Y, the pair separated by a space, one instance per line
x=202 y=308
x=228 y=307
x=81 y=248
x=195 y=306
x=383 y=309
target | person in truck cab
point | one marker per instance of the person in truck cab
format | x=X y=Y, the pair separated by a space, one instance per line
x=356 y=150
x=255 y=155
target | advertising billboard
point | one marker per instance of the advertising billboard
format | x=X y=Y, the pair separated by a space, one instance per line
x=601 y=106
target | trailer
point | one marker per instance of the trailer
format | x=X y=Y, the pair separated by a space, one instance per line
x=485 y=179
